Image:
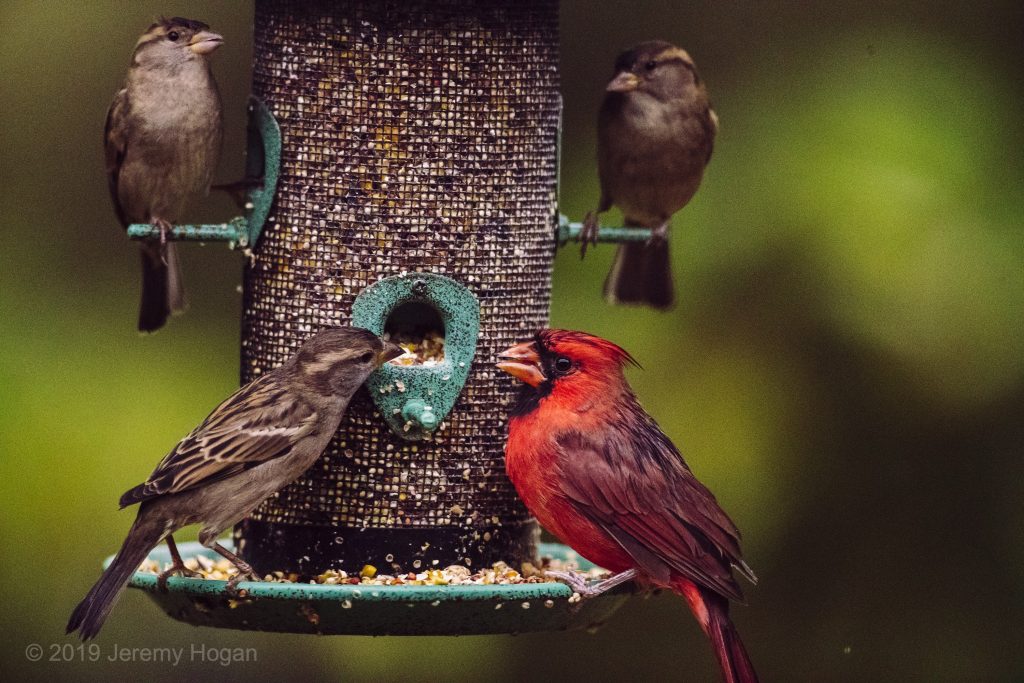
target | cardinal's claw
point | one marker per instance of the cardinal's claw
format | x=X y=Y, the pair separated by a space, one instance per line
x=579 y=584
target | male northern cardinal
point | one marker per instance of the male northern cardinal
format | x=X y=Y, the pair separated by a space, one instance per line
x=655 y=133
x=598 y=473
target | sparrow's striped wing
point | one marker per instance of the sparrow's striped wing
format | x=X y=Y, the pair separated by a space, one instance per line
x=634 y=484
x=259 y=422
x=115 y=145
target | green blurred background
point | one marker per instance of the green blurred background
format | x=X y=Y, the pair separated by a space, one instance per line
x=845 y=369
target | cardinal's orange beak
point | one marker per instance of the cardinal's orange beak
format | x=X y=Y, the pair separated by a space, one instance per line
x=523 y=362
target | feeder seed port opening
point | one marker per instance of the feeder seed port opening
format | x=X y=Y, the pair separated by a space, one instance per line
x=262 y=167
x=437 y=320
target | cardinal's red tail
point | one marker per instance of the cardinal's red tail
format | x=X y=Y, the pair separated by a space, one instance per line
x=712 y=612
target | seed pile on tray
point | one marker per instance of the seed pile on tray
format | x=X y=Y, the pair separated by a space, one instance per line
x=453 y=575
x=423 y=350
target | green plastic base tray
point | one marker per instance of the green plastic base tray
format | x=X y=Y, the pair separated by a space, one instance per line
x=380 y=610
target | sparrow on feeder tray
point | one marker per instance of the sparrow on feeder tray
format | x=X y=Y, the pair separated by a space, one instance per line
x=596 y=471
x=253 y=444
x=163 y=139
x=656 y=131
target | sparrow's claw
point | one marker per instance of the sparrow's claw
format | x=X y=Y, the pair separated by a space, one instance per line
x=232 y=588
x=164 y=227
x=659 y=234
x=588 y=235
x=579 y=584
x=177 y=567
x=180 y=569
x=245 y=572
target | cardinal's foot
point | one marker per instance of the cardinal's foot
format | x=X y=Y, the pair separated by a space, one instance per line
x=579 y=584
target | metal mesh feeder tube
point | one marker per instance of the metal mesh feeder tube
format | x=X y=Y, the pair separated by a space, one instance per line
x=416 y=194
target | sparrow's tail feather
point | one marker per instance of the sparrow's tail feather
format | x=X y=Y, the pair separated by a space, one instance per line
x=90 y=614
x=162 y=290
x=641 y=274
x=175 y=286
x=712 y=612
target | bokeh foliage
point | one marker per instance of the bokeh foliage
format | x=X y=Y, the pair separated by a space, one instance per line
x=845 y=368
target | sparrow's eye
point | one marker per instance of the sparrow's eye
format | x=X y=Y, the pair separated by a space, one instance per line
x=562 y=365
x=366 y=357
x=651 y=65
x=173 y=36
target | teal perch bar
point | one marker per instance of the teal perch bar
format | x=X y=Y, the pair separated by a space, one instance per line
x=570 y=232
x=236 y=231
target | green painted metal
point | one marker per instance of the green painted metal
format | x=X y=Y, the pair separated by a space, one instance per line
x=570 y=232
x=234 y=231
x=415 y=399
x=379 y=610
x=263 y=166
x=262 y=161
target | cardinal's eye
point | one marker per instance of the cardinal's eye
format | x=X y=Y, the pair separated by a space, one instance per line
x=562 y=365
x=651 y=65
x=173 y=36
x=366 y=357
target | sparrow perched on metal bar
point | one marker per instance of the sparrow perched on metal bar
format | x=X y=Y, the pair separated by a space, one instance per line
x=656 y=130
x=163 y=138
x=253 y=444
x=596 y=471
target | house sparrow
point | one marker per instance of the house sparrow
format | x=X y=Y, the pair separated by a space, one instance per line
x=253 y=444
x=656 y=130
x=162 y=139
x=598 y=473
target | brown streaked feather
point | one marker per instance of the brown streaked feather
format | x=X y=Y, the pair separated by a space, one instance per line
x=258 y=423
x=115 y=143
x=636 y=486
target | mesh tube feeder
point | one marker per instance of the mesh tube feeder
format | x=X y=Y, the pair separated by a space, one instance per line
x=408 y=158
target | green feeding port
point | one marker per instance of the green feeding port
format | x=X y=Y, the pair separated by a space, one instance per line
x=262 y=167
x=437 y=321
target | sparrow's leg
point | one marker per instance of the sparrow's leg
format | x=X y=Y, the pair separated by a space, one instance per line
x=579 y=584
x=177 y=567
x=239 y=190
x=164 y=227
x=588 y=235
x=245 y=572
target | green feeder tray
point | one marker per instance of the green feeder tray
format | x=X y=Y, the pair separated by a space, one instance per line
x=379 y=610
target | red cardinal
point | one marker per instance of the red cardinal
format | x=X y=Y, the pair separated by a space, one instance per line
x=598 y=473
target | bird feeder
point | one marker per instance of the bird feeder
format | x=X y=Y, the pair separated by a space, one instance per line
x=407 y=158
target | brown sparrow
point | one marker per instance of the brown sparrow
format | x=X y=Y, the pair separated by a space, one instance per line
x=253 y=444
x=656 y=130
x=163 y=139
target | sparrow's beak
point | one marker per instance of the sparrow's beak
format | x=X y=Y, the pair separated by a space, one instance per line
x=523 y=362
x=389 y=352
x=623 y=82
x=205 y=42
